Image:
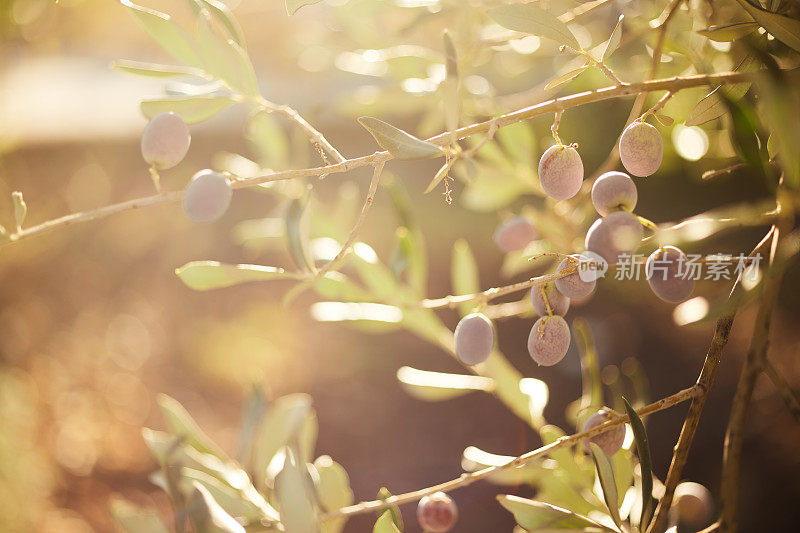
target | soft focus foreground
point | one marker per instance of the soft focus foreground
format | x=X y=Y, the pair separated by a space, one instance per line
x=95 y=324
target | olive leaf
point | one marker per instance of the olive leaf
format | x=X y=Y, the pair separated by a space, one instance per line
x=333 y=490
x=645 y=462
x=293 y=5
x=613 y=42
x=166 y=33
x=155 y=70
x=224 y=58
x=206 y=275
x=400 y=144
x=293 y=492
x=394 y=510
x=664 y=120
x=181 y=424
x=439 y=386
x=385 y=524
x=282 y=423
x=297 y=229
x=564 y=78
x=221 y=13
x=783 y=28
x=713 y=105
x=441 y=174
x=208 y=516
x=607 y=482
x=192 y=109
x=534 y=516
x=528 y=18
x=464 y=274
x=725 y=33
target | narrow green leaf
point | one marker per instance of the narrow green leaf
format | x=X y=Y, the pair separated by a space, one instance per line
x=133 y=519
x=438 y=386
x=411 y=257
x=206 y=275
x=281 y=424
x=224 y=58
x=450 y=87
x=297 y=229
x=155 y=70
x=232 y=500
x=613 y=42
x=564 y=78
x=333 y=490
x=528 y=18
x=294 y=496
x=181 y=424
x=464 y=274
x=643 y=450
x=397 y=518
x=592 y=396
x=399 y=143
x=385 y=524
x=208 y=516
x=254 y=409
x=293 y=5
x=440 y=174
x=783 y=28
x=726 y=33
x=607 y=482
x=169 y=35
x=535 y=516
x=664 y=120
x=220 y=12
x=713 y=106
x=192 y=109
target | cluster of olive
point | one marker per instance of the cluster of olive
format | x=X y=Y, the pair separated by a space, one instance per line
x=165 y=142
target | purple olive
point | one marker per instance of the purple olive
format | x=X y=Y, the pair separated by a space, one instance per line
x=165 y=141
x=561 y=172
x=437 y=513
x=549 y=340
x=641 y=149
x=474 y=339
x=559 y=304
x=609 y=441
x=614 y=191
x=573 y=286
x=616 y=233
x=207 y=196
x=514 y=234
x=668 y=275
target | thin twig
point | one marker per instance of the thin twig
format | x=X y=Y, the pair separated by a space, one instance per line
x=783 y=387
x=314 y=135
x=468 y=478
x=676 y=83
x=368 y=201
x=704 y=382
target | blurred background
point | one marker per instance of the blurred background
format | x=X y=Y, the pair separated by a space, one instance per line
x=94 y=324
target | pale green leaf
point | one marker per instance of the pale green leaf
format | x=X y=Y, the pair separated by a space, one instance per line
x=464 y=274
x=293 y=5
x=293 y=492
x=192 y=109
x=528 y=18
x=712 y=106
x=439 y=386
x=225 y=59
x=130 y=518
x=220 y=12
x=181 y=424
x=206 y=275
x=208 y=516
x=605 y=474
x=397 y=142
x=283 y=421
x=297 y=232
x=729 y=32
x=155 y=70
x=393 y=510
x=645 y=462
x=783 y=28
x=385 y=524
x=564 y=78
x=535 y=516
x=440 y=174
x=232 y=500
x=664 y=120
x=333 y=490
x=166 y=33
x=613 y=42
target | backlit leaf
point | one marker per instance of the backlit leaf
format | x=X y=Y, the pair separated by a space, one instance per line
x=206 y=275
x=166 y=33
x=181 y=424
x=613 y=42
x=385 y=524
x=294 y=496
x=528 y=18
x=729 y=32
x=643 y=449
x=464 y=274
x=609 y=485
x=397 y=142
x=208 y=516
x=564 y=78
x=154 y=69
x=783 y=28
x=192 y=109
x=439 y=386
x=534 y=516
